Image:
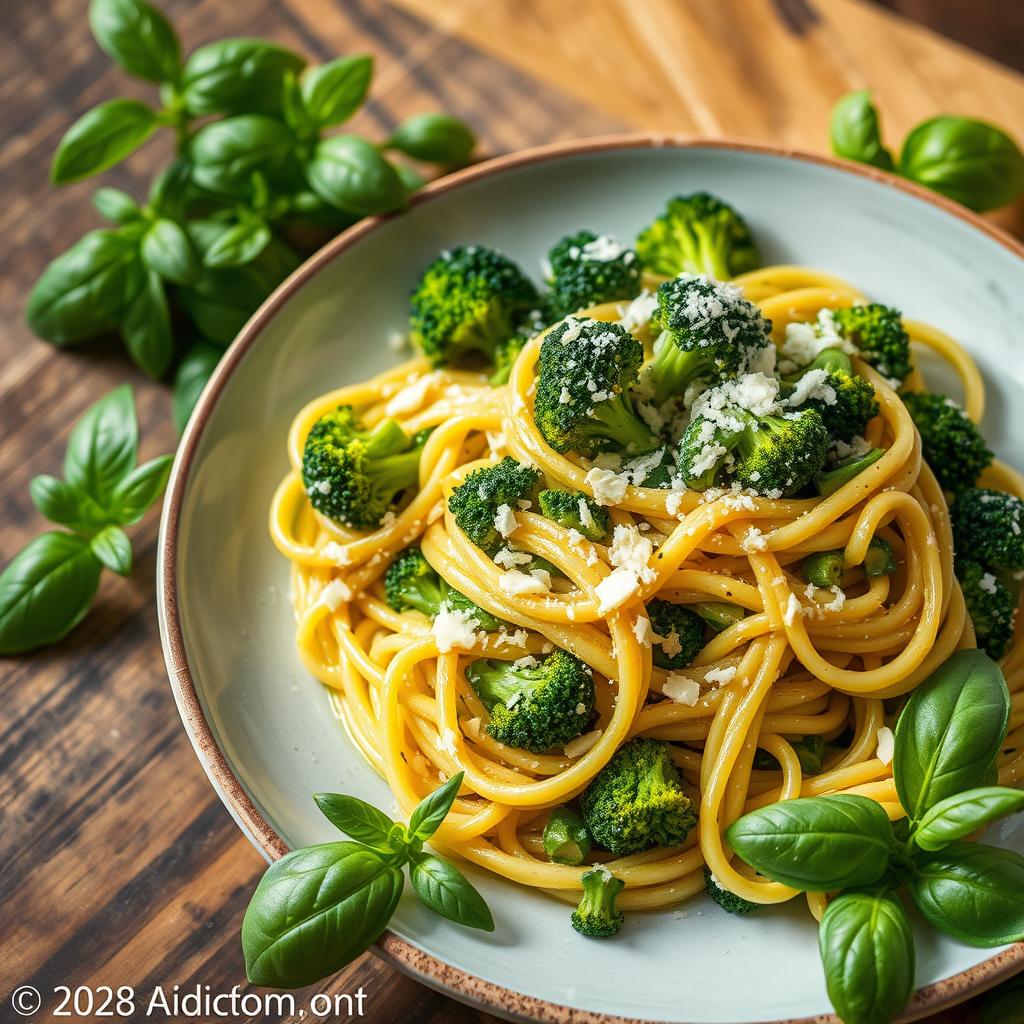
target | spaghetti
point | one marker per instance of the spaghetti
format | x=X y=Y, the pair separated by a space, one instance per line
x=800 y=663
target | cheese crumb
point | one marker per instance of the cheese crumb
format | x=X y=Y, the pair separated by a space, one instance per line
x=505 y=521
x=792 y=610
x=754 y=540
x=720 y=676
x=632 y=551
x=455 y=629
x=642 y=630
x=335 y=594
x=614 y=589
x=336 y=552
x=886 y=745
x=681 y=689
x=513 y=582
x=609 y=488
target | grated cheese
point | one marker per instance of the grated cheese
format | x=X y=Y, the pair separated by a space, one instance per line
x=579 y=746
x=681 y=689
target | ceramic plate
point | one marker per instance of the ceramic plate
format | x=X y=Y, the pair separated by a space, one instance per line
x=264 y=729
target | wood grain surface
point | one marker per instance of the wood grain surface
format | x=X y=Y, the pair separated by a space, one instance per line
x=120 y=866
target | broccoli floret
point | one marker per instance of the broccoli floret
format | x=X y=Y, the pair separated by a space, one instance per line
x=682 y=633
x=774 y=454
x=470 y=299
x=566 y=839
x=719 y=615
x=636 y=801
x=596 y=916
x=710 y=333
x=846 y=411
x=991 y=606
x=951 y=444
x=844 y=471
x=699 y=234
x=728 y=901
x=535 y=705
x=575 y=511
x=505 y=355
x=989 y=526
x=411 y=582
x=586 y=368
x=809 y=750
x=877 y=333
x=588 y=269
x=475 y=502
x=353 y=475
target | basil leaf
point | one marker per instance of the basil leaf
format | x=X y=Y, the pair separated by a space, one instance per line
x=855 y=131
x=167 y=251
x=1002 y=1005
x=436 y=138
x=172 y=189
x=950 y=731
x=103 y=445
x=146 y=329
x=447 y=892
x=63 y=503
x=237 y=76
x=816 y=843
x=194 y=370
x=316 y=910
x=357 y=819
x=46 y=591
x=100 y=138
x=225 y=153
x=971 y=891
x=83 y=292
x=431 y=811
x=412 y=180
x=138 y=37
x=867 y=950
x=113 y=548
x=240 y=243
x=333 y=92
x=139 y=489
x=970 y=161
x=351 y=175
x=963 y=813
x=116 y=205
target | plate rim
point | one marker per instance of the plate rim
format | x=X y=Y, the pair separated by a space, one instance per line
x=406 y=956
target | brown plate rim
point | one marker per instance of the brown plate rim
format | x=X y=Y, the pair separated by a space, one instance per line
x=405 y=955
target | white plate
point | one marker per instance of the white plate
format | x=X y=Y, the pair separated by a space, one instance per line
x=264 y=729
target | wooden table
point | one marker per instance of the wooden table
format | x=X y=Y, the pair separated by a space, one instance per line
x=120 y=866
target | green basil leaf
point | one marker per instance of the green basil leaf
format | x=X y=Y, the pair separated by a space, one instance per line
x=333 y=92
x=146 y=329
x=867 y=950
x=1002 y=1005
x=46 y=591
x=237 y=76
x=240 y=243
x=116 y=205
x=970 y=161
x=816 y=843
x=66 y=504
x=172 y=190
x=412 y=180
x=167 y=251
x=138 y=37
x=447 y=892
x=194 y=370
x=113 y=548
x=84 y=291
x=855 y=131
x=139 y=489
x=431 y=811
x=351 y=175
x=357 y=819
x=100 y=138
x=103 y=445
x=963 y=813
x=971 y=891
x=225 y=153
x=316 y=910
x=436 y=138
x=950 y=731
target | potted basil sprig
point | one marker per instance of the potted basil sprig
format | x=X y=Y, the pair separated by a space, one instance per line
x=946 y=743
x=319 y=907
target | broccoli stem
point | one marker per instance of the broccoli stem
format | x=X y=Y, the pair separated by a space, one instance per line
x=671 y=371
x=830 y=481
x=387 y=438
x=719 y=615
x=394 y=473
x=566 y=839
x=497 y=683
x=712 y=252
x=879 y=560
x=597 y=916
x=823 y=568
x=620 y=422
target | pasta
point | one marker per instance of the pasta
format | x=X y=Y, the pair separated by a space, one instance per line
x=802 y=662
